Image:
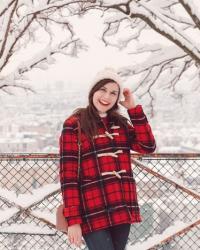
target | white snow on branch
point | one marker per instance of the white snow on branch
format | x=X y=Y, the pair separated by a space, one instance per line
x=115 y=2
x=42 y=6
x=41 y=56
x=159 y=56
x=27 y=229
x=11 y=39
x=3 y=24
x=194 y=7
x=115 y=18
x=4 y=4
x=163 y=24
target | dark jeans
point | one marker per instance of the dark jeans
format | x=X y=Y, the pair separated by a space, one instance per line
x=112 y=238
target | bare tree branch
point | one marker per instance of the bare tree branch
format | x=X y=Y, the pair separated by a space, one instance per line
x=5 y=9
x=8 y=29
x=19 y=27
x=166 y=23
x=134 y=16
x=194 y=17
x=5 y=88
x=56 y=6
x=76 y=43
x=9 y=54
x=191 y=50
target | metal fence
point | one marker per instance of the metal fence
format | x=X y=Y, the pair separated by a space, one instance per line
x=168 y=191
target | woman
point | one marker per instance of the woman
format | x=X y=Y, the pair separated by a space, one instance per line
x=101 y=202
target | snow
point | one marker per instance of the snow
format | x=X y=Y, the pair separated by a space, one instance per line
x=180 y=182
x=51 y=217
x=171 y=149
x=114 y=19
x=189 y=147
x=157 y=238
x=50 y=149
x=7 y=213
x=111 y=2
x=26 y=228
x=26 y=200
x=160 y=54
x=176 y=181
x=3 y=22
x=164 y=24
x=194 y=7
x=167 y=53
x=4 y=4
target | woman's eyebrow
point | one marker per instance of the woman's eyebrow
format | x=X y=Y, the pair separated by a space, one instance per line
x=113 y=91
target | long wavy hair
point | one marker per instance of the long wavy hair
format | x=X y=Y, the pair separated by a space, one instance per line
x=89 y=117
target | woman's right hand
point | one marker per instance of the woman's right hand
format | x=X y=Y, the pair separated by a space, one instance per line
x=75 y=234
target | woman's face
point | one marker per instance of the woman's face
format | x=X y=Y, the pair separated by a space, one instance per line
x=105 y=97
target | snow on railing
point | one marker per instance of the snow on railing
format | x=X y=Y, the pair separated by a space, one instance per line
x=168 y=188
x=172 y=180
x=179 y=228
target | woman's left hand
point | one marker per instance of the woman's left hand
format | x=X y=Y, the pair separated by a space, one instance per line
x=129 y=100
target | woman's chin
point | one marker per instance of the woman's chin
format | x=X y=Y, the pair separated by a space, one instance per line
x=102 y=109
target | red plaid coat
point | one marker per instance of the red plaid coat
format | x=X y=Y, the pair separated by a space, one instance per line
x=102 y=198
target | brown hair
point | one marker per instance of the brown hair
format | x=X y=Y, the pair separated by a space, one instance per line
x=89 y=117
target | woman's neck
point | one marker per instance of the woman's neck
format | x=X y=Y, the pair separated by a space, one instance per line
x=102 y=114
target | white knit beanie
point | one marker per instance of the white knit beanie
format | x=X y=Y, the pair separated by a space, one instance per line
x=108 y=73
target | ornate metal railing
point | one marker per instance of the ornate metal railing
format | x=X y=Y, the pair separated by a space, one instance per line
x=168 y=191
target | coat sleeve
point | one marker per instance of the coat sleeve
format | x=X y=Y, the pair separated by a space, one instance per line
x=69 y=174
x=140 y=134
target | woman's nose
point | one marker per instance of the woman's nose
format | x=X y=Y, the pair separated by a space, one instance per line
x=106 y=95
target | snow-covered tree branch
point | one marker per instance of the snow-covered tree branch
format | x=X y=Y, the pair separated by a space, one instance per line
x=22 y=24
x=174 y=22
x=171 y=52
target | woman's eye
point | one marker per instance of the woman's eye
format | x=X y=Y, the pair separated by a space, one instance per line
x=103 y=89
x=113 y=93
